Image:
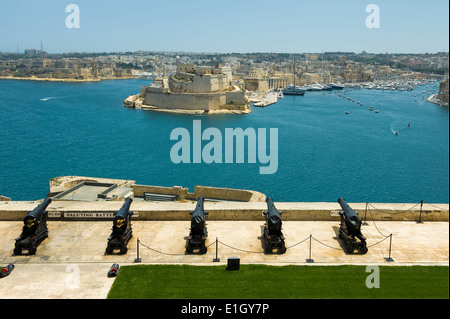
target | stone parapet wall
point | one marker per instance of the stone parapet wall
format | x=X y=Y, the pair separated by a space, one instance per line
x=13 y=210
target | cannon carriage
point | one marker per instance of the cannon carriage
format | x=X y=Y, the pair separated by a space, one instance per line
x=350 y=229
x=35 y=229
x=273 y=235
x=121 y=230
x=198 y=231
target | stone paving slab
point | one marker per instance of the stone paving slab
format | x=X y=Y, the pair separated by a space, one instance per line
x=71 y=262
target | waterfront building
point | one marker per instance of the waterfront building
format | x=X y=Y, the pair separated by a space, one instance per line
x=195 y=89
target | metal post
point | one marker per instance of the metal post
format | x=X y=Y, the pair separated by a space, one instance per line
x=310 y=260
x=390 y=246
x=365 y=215
x=420 y=214
x=216 y=259
x=137 y=259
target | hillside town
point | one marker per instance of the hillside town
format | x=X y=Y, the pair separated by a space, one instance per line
x=250 y=71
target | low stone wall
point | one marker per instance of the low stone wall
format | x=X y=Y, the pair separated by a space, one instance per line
x=13 y=210
x=227 y=194
x=179 y=191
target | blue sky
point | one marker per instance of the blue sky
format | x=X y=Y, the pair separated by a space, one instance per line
x=225 y=26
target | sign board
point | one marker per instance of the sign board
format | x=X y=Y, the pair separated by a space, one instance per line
x=88 y=215
x=334 y=213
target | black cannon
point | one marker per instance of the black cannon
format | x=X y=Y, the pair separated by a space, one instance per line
x=350 y=229
x=198 y=233
x=272 y=229
x=121 y=230
x=35 y=229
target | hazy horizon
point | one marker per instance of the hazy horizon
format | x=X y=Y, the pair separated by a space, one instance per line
x=249 y=26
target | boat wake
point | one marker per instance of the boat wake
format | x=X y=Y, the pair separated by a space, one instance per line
x=47 y=98
x=54 y=97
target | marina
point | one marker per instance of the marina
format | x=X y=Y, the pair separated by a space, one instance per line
x=316 y=142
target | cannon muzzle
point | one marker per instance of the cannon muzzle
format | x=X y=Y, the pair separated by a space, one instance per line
x=351 y=218
x=198 y=217
x=35 y=215
x=120 y=218
x=273 y=217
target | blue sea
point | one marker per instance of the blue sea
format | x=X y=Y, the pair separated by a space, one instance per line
x=323 y=153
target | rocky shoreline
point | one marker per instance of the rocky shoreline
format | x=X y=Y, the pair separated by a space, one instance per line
x=62 y=80
x=435 y=100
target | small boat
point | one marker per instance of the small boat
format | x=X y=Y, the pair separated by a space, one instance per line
x=346 y=112
x=336 y=86
x=269 y=99
x=376 y=111
x=315 y=87
x=396 y=133
x=280 y=95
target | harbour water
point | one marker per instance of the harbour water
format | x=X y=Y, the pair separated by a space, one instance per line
x=323 y=152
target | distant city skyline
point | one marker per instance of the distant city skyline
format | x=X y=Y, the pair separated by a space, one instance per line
x=246 y=26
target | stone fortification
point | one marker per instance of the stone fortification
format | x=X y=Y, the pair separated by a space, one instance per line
x=192 y=91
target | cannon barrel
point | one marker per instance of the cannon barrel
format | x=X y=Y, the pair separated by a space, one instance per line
x=350 y=229
x=121 y=216
x=36 y=213
x=352 y=220
x=198 y=217
x=273 y=217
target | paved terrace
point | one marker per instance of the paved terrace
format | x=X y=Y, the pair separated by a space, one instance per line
x=71 y=262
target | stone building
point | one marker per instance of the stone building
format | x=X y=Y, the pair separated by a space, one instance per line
x=443 y=91
x=195 y=88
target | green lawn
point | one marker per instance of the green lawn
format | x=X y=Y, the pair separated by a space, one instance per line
x=278 y=282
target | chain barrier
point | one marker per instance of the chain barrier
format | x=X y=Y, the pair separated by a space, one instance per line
x=376 y=227
x=379 y=241
x=439 y=208
x=260 y=252
x=391 y=213
x=326 y=244
x=298 y=243
x=246 y=251
x=160 y=252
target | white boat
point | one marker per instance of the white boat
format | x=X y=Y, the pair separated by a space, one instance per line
x=280 y=95
x=269 y=98
x=314 y=87
x=254 y=97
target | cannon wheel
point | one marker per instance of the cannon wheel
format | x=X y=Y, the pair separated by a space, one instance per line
x=17 y=251
x=123 y=249
x=363 y=249
x=203 y=250
x=189 y=249
x=282 y=249
x=349 y=249
x=32 y=250
x=268 y=249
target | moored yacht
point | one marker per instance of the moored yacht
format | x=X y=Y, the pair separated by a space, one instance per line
x=293 y=90
x=314 y=87
x=336 y=86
